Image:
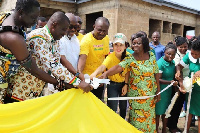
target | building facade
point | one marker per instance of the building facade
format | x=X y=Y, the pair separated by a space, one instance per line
x=126 y=16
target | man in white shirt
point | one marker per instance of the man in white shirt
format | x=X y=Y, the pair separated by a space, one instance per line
x=70 y=48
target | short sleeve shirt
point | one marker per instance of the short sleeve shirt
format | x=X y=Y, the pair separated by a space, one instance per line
x=194 y=64
x=159 y=50
x=177 y=59
x=80 y=37
x=96 y=50
x=110 y=61
x=166 y=68
x=69 y=46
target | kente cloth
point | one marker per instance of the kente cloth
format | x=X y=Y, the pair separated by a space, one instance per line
x=46 y=52
x=8 y=63
x=70 y=111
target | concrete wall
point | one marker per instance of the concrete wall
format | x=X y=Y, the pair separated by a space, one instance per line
x=131 y=16
x=144 y=11
x=126 y=16
x=63 y=6
x=110 y=11
x=7 y=5
x=197 y=31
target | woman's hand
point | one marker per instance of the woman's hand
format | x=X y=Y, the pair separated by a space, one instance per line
x=92 y=76
x=182 y=89
x=177 y=75
x=103 y=76
x=196 y=75
x=157 y=98
x=124 y=90
x=175 y=83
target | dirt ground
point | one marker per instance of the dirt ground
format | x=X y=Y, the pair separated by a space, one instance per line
x=181 y=125
x=181 y=121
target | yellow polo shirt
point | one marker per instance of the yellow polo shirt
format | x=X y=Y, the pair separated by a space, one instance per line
x=96 y=50
x=110 y=61
x=80 y=37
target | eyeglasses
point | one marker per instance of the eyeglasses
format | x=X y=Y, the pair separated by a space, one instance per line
x=73 y=26
x=137 y=43
x=80 y=22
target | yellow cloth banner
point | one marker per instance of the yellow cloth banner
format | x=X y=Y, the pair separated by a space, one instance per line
x=70 y=111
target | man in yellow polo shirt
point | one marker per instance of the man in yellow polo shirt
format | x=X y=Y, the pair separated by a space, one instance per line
x=94 y=47
x=79 y=23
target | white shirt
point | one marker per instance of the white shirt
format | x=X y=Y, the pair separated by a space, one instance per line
x=177 y=59
x=70 y=48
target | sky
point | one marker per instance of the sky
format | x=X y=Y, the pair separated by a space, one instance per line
x=194 y=4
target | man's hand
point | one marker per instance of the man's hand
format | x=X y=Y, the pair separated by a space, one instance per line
x=81 y=77
x=85 y=86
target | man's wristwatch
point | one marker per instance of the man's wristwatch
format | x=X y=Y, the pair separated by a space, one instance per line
x=77 y=74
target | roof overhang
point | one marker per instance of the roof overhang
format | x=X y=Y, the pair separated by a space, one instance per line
x=174 y=5
x=73 y=1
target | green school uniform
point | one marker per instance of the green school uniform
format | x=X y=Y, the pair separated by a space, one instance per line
x=194 y=66
x=168 y=71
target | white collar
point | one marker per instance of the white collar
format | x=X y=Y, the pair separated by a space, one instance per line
x=193 y=60
x=72 y=38
x=181 y=55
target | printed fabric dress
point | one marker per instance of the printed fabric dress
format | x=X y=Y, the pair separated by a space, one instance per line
x=142 y=82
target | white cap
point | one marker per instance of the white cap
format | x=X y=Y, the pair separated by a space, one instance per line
x=119 y=37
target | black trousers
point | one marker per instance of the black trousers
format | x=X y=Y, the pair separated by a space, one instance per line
x=173 y=120
x=98 y=92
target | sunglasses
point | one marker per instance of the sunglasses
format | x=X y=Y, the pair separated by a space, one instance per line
x=80 y=22
x=72 y=26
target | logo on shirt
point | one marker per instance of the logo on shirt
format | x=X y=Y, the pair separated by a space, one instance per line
x=98 y=47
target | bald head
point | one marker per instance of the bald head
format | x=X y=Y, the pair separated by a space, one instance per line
x=73 y=25
x=79 y=23
x=101 y=27
x=58 y=17
x=102 y=20
x=156 y=37
x=78 y=19
x=156 y=33
x=71 y=17
x=58 y=25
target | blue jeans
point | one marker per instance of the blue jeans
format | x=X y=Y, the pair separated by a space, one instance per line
x=115 y=90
